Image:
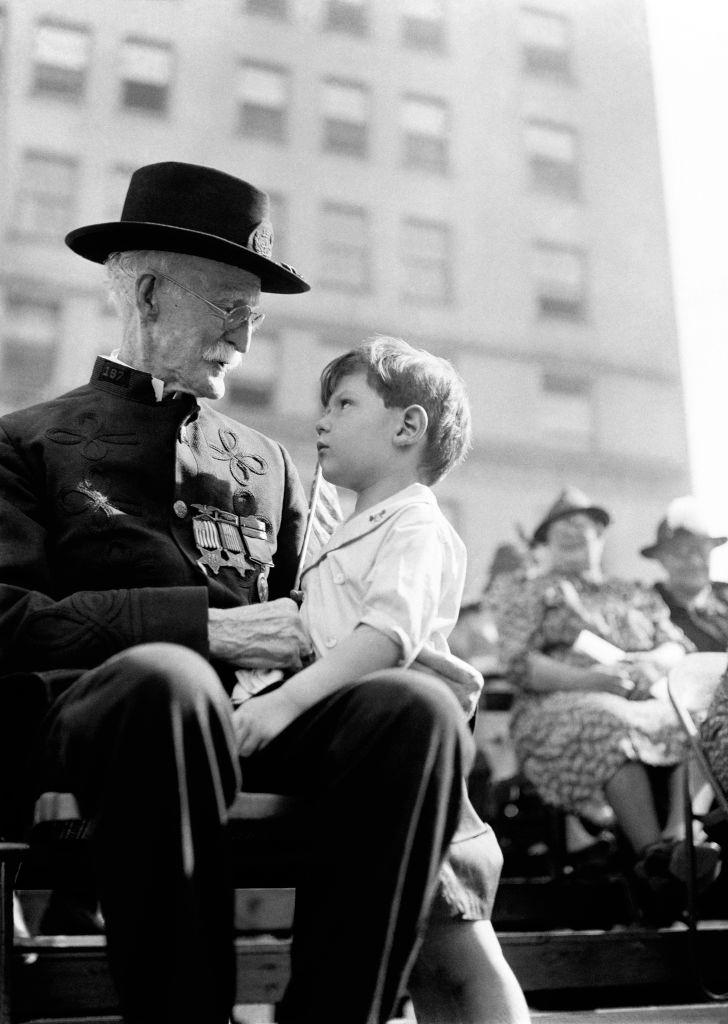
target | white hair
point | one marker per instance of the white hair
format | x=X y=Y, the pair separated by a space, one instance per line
x=124 y=268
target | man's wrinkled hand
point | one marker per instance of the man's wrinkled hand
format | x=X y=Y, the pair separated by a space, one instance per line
x=261 y=719
x=269 y=635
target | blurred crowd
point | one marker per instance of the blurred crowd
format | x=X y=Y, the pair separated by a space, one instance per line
x=585 y=658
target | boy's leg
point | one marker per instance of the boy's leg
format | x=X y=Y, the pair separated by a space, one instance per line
x=462 y=977
x=145 y=743
x=385 y=758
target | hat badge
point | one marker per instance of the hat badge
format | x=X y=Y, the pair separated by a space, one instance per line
x=260 y=239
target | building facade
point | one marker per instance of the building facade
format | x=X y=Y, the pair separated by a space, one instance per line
x=480 y=177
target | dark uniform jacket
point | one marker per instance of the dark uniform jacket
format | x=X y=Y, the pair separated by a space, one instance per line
x=707 y=625
x=122 y=519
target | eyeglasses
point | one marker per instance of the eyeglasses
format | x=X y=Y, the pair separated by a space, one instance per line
x=232 y=319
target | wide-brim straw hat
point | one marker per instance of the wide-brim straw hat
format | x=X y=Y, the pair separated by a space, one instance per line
x=198 y=211
x=570 y=501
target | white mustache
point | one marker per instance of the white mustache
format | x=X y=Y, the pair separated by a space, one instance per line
x=223 y=352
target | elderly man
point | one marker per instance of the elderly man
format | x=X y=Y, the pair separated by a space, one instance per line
x=683 y=547
x=141 y=533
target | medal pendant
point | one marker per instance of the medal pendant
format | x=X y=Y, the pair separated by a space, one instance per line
x=261 y=585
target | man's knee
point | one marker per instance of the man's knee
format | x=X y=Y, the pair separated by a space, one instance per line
x=420 y=704
x=404 y=689
x=165 y=673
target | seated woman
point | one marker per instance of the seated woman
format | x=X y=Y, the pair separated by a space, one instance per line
x=585 y=652
x=683 y=548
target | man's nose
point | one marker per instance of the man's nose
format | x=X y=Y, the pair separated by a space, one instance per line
x=322 y=425
x=240 y=338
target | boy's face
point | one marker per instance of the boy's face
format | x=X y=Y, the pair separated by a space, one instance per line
x=355 y=435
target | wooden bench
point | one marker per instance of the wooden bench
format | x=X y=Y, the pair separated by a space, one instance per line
x=65 y=977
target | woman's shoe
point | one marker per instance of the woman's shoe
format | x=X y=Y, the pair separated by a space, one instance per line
x=659 y=894
x=707 y=863
x=665 y=864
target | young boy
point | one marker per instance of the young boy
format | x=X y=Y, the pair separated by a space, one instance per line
x=387 y=584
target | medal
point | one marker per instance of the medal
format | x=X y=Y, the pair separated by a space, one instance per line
x=262 y=585
x=236 y=542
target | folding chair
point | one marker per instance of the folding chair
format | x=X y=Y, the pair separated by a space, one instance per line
x=690 y=687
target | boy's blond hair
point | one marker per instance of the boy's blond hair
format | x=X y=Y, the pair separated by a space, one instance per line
x=402 y=376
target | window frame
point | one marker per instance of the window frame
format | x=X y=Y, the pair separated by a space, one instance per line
x=415 y=145
x=551 y=306
x=255 y=120
x=411 y=260
x=339 y=135
x=549 y=175
x=362 y=251
x=165 y=91
x=75 y=85
x=51 y=219
x=545 y=61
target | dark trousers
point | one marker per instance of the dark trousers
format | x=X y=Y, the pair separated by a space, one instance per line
x=145 y=742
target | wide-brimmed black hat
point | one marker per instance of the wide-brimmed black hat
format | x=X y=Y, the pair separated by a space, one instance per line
x=684 y=518
x=194 y=210
x=570 y=501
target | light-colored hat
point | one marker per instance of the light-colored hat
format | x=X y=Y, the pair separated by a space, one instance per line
x=684 y=517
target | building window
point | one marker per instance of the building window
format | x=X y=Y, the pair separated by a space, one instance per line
x=345 y=248
x=566 y=409
x=426 y=262
x=254 y=385
x=423 y=25
x=552 y=157
x=146 y=74
x=347 y=16
x=29 y=345
x=425 y=124
x=267 y=8
x=46 y=195
x=262 y=99
x=560 y=273
x=546 y=41
x=61 y=59
x=346 y=115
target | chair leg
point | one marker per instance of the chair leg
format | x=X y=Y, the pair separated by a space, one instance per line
x=691 y=881
x=10 y=856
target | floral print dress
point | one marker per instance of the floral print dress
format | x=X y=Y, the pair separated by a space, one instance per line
x=714 y=733
x=570 y=743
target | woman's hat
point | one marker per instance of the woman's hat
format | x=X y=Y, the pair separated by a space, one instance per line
x=570 y=501
x=684 y=518
x=197 y=211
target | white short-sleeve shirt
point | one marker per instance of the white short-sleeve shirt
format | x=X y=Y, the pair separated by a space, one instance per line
x=399 y=567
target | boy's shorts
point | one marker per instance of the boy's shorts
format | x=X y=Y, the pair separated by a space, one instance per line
x=468 y=878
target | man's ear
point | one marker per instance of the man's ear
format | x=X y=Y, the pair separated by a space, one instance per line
x=412 y=427
x=146 y=298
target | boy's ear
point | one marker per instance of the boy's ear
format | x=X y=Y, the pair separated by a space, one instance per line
x=412 y=427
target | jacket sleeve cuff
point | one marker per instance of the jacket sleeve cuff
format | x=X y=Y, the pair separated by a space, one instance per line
x=176 y=615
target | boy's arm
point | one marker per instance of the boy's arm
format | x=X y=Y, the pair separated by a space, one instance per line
x=260 y=719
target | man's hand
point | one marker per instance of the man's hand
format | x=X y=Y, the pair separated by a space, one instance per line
x=267 y=635
x=260 y=719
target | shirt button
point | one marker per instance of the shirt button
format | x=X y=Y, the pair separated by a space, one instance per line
x=331 y=641
x=180 y=509
x=339 y=577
